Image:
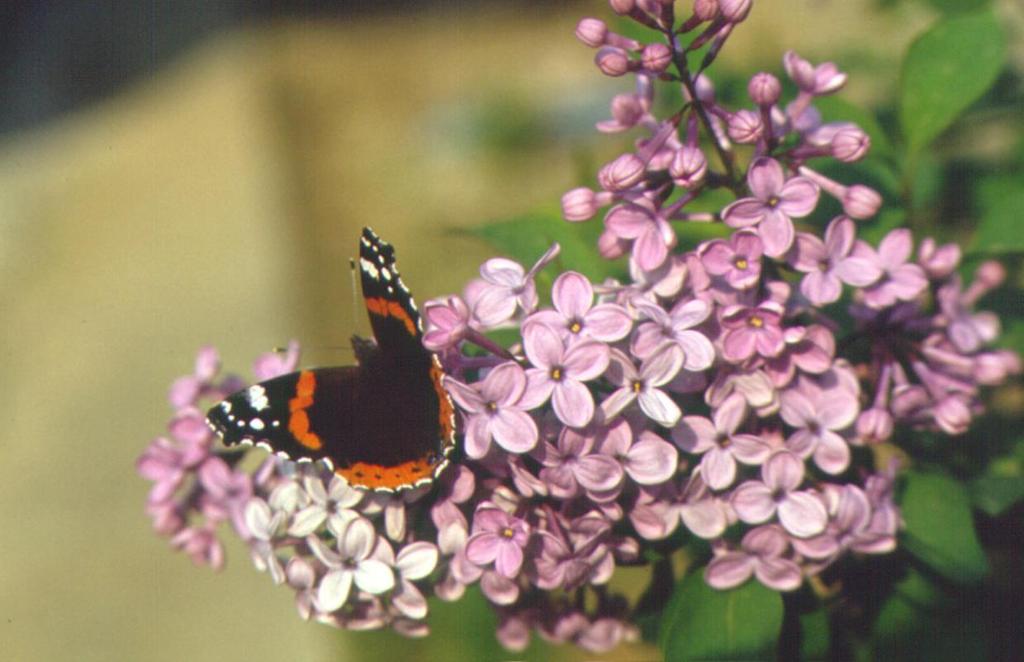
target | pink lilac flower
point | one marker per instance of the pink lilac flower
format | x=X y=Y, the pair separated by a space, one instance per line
x=333 y=505
x=559 y=373
x=508 y=286
x=775 y=203
x=498 y=538
x=820 y=80
x=719 y=444
x=649 y=460
x=447 y=322
x=761 y=554
x=642 y=386
x=818 y=414
x=901 y=280
x=573 y=463
x=495 y=412
x=226 y=492
x=350 y=564
x=752 y=330
x=737 y=260
x=650 y=234
x=801 y=513
x=829 y=264
x=676 y=326
x=967 y=330
x=573 y=298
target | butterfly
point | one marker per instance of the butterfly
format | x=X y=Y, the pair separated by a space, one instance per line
x=385 y=424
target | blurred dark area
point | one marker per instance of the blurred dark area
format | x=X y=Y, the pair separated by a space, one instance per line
x=57 y=55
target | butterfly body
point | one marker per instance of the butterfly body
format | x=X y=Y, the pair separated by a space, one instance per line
x=385 y=424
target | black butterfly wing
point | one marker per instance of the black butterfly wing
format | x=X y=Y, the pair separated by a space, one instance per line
x=393 y=315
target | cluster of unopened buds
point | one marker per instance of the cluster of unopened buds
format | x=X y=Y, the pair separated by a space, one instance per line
x=703 y=398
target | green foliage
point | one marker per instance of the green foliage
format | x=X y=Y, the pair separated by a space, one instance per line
x=947 y=69
x=1001 y=209
x=940 y=527
x=525 y=238
x=701 y=623
x=921 y=620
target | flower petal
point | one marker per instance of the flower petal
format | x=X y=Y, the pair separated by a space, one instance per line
x=374 y=576
x=803 y=514
x=572 y=403
x=333 y=590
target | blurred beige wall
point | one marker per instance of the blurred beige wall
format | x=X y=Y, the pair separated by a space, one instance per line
x=218 y=202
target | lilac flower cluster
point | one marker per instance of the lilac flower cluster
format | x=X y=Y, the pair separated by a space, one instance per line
x=707 y=397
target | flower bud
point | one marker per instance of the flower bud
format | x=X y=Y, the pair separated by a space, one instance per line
x=688 y=166
x=799 y=70
x=850 y=144
x=874 y=425
x=623 y=173
x=764 y=89
x=592 y=32
x=938 y=261
x=705 y=10
x=627 y=109
x=656 y=57
x=579 y=204
x=734 y=11
x=612 y=61
x=622 y=7
x=745 y=126
x=861 y=202
x=990 y=274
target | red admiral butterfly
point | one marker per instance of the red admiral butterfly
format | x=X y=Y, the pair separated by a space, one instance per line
x=385 y=424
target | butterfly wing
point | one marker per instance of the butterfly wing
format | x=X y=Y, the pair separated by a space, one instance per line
x=393 y=315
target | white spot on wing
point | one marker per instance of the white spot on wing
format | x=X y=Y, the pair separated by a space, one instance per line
x=256 y=424
x=258 y=397
x=369 y=267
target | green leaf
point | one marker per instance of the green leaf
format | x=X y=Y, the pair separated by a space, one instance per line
x=814 y=635
x=702 y=623
x=940 y=529
x=959 y=6
x=525 y=238
x=921 y=621
x=946 y=70
x=1002 y=485
x=1001 y=208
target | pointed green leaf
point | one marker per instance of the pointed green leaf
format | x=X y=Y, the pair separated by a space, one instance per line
x=940 y=527
x=946 y=70
x=702 y=623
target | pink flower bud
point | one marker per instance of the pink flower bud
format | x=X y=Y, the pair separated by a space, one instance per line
x=734 y=11
x=688 y=166
x=705 y=10
x=850 y=144
x=861 y=202
x=938 y=261
x=990 y=274
x=828 y=78
x=874 y=425
x=799 y=70
x=623 y=173
x=578 y=204
x=656 y=57
x=745 y=126
x=592 y=32
x=622 y=7
x=626 y=111
x=764 y=89
x=612 y=61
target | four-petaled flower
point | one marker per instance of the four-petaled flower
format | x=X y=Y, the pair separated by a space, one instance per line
x=495 y=411
x=351 y=564
x=802 y=513
x=829 y=264
x=498 y=538
x=560 y=373
x=775 y=203
x=573 y=298
x=719 y=443
x=760 y=554
x=641 y=386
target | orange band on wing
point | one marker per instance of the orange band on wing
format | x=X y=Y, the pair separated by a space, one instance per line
x=385 y=308
x=377 y=476
x=298 y=422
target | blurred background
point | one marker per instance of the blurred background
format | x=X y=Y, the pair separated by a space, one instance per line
x=174 y=174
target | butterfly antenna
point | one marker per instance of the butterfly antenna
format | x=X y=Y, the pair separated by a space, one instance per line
x=355 y=293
